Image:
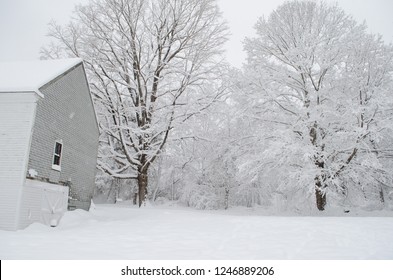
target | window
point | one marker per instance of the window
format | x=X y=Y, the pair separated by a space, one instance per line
x=57 y=155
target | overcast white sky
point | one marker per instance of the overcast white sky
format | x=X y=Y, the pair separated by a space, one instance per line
x=23 y=23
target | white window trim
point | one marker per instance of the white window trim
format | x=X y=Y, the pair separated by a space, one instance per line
x=54 y=166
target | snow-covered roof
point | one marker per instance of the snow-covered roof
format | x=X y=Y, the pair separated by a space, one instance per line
x=23 y=76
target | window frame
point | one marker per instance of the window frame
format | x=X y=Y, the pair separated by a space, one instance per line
x=59 y=155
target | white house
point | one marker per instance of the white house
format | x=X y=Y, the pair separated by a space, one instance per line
x=48 y=141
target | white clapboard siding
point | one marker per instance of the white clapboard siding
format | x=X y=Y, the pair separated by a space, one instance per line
x=42 y=202
x=17 y=112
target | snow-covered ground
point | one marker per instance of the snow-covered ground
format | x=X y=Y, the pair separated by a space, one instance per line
x=122 y=232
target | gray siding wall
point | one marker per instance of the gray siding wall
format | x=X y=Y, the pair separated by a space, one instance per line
x=66 y=113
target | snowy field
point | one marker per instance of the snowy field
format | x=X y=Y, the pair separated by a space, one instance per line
x=122 y=232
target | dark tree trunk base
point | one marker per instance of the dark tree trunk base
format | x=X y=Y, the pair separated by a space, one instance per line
x=142 y=187
x=135 y=199
x=320 y=199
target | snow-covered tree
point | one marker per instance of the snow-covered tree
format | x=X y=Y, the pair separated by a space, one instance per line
x=321 y=88
x=150 y=63
x=199 y=164
x=212 y=172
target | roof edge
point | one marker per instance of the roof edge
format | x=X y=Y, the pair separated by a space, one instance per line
x=38 y=92
x=61 y=73
x=41 y=73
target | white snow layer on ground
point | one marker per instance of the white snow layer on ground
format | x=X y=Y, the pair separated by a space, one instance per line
x=113 y=232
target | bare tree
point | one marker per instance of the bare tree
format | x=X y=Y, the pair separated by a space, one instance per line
x=150 y=65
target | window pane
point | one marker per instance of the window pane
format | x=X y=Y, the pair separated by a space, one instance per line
x=56 y=160
x=58 y=149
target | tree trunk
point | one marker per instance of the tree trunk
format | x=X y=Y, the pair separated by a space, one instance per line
x=226 y=198
x=321 y=199
x=320 y=195
x=135 y=199
x=381 y=195
x=142 y=186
